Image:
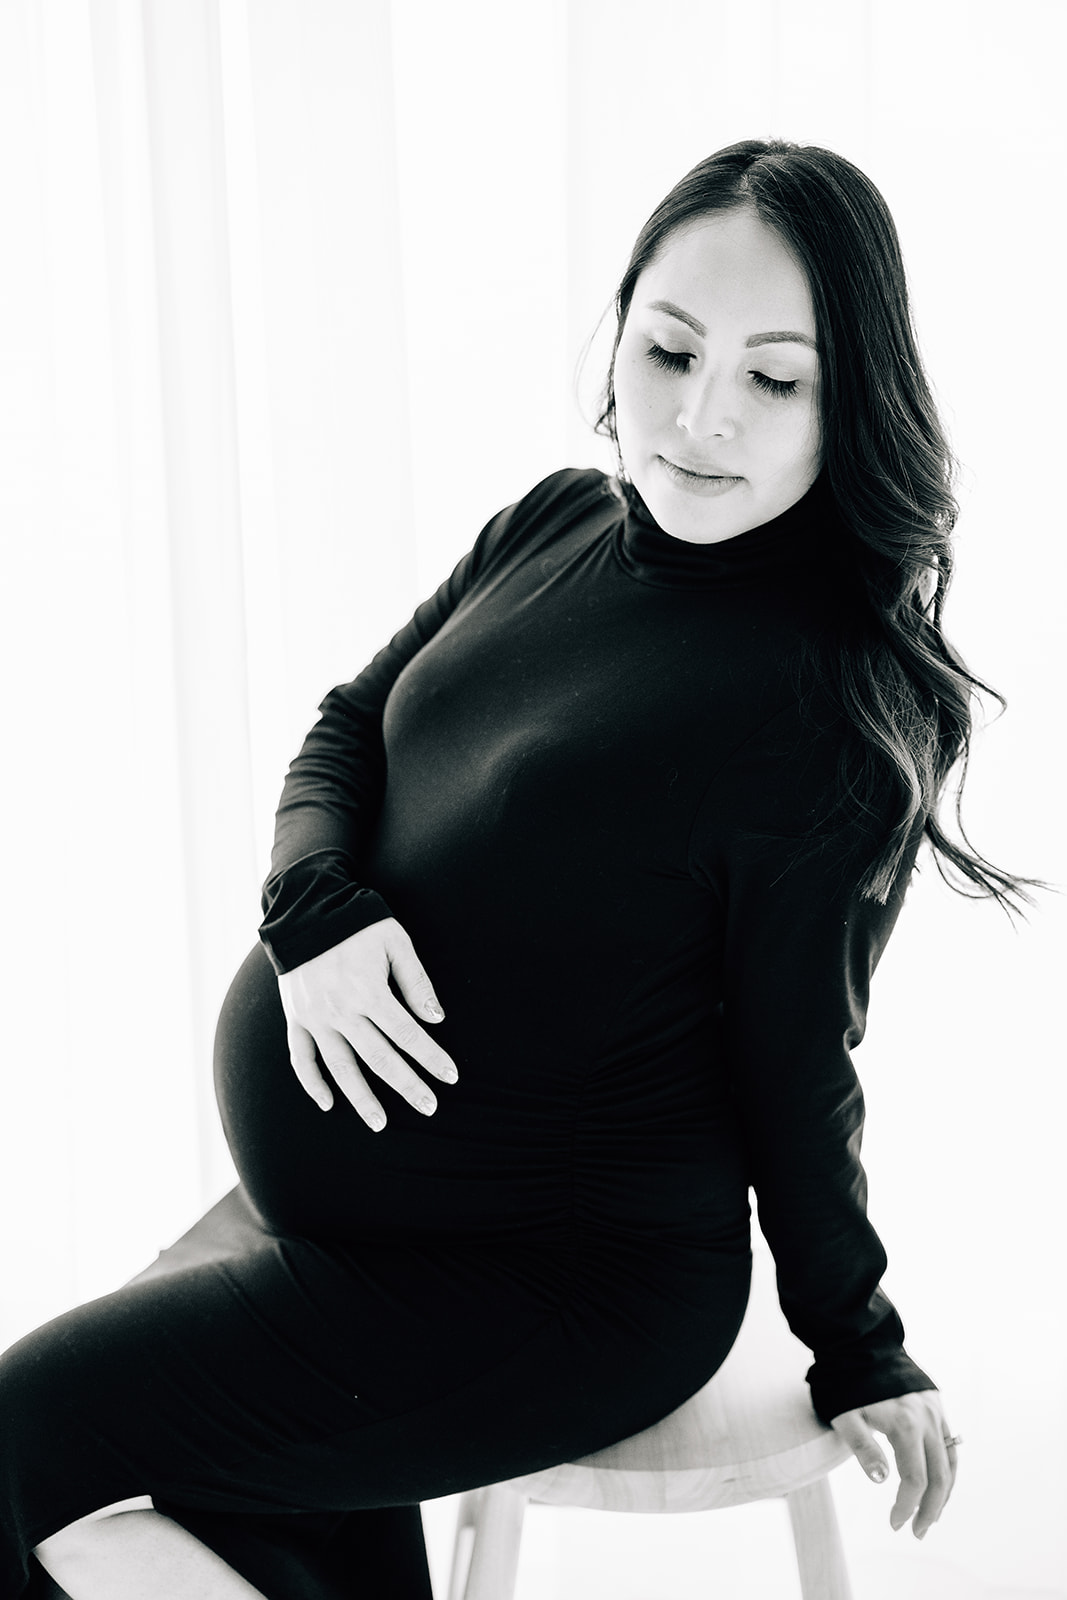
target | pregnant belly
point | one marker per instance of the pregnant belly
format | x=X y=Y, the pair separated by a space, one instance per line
x=530 y=1141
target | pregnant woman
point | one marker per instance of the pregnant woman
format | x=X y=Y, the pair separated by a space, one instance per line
x=575 y=900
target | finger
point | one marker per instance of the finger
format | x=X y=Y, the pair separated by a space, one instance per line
x=378 y=1055
x=306 y=1066
x=907 y=1442
x=411 y=977
x=341 y=1060
x=396 y=1023
x=854 y=1429
x=940 y=1476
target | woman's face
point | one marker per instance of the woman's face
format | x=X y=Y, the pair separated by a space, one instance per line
x=716 y=380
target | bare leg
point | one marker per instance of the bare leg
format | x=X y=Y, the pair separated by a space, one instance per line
x=137 y=1555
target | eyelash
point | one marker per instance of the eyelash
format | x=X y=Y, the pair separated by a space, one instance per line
x=673 y=360
x=779 y=386
x=677 y=361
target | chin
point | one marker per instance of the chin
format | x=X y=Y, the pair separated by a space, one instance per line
x=696 y=522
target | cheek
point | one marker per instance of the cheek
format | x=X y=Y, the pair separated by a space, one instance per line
x=631 y=396
x=798 y=438
x=813 y=437
x=813 y=423
x=643 y=394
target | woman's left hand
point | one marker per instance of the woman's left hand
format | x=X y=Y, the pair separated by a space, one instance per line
x=916 y=1429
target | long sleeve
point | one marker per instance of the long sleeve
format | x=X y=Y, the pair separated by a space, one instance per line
x=800 y=947
x=313 y=898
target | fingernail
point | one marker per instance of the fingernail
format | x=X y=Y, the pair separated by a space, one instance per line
x=450 y=1075
x=879 y=1474
x=426 y=1105
x=921 y=1533
x=375 y=1122
x=435 y=1011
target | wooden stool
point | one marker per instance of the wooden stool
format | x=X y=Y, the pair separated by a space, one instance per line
x=749 y=1434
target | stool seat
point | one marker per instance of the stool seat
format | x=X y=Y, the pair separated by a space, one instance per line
x=749 y=1434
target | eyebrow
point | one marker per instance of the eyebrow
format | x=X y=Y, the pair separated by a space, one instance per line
x=781 y=336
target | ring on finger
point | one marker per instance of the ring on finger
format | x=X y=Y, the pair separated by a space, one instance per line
x=953 y=1441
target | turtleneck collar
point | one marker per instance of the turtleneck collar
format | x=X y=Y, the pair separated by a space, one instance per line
x=806 y=538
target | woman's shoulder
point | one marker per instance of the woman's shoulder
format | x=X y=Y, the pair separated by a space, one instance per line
x=553 y=507
x=567 y=493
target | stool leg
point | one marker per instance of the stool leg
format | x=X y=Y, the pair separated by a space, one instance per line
x=494 y=1563
x=820 y=1554
x=463 y=1542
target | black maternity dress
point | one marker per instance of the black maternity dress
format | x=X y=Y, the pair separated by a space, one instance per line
x=591 y=779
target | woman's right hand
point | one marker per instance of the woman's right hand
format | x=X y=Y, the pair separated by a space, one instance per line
x=341 y=1002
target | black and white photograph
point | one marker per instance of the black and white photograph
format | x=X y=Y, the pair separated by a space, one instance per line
x=532 y=565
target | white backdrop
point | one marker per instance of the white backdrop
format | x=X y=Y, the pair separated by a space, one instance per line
x=292 y=294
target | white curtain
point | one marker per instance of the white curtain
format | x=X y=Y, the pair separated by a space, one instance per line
x=292 y=296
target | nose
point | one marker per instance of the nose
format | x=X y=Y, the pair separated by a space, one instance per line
x=706 y=412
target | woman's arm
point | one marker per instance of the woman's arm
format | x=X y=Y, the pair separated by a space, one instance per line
x=340 y=956
x=801 y=945
x=799 y=952
x=312 y=899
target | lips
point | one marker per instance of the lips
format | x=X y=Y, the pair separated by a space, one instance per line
x=698 y=472
x=699 y=481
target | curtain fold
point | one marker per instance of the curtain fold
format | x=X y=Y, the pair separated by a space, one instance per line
x=99 y=1103
x=194 y=299
x=208 y=518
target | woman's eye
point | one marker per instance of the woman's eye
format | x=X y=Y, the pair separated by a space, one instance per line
x=672 y=360
x=778 y=386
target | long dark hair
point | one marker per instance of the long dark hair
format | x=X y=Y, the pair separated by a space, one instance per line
x=888 y=465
